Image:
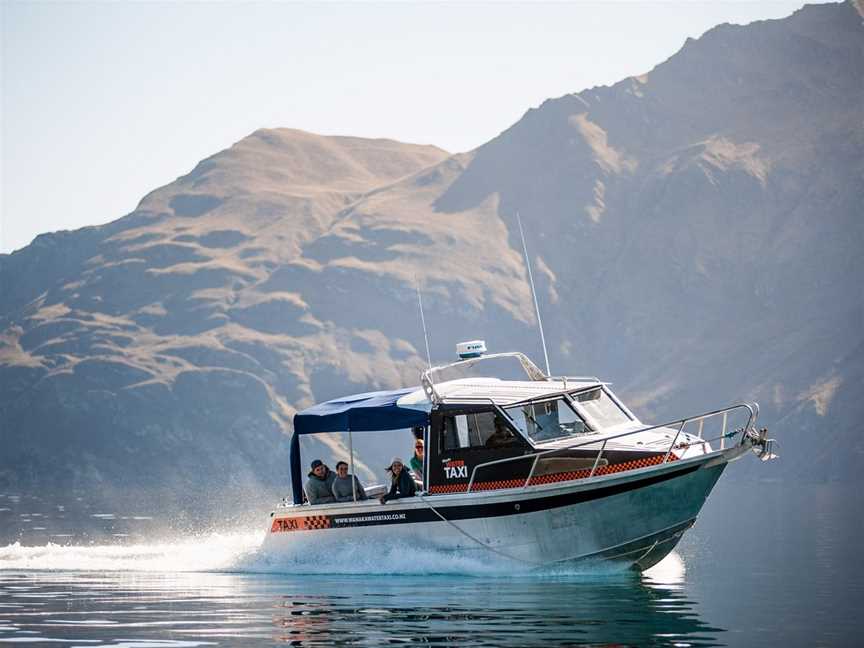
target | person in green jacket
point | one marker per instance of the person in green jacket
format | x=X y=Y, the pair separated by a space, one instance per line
x=416 y=462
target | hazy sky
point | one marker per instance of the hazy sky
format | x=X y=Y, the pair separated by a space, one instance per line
x=104 y=101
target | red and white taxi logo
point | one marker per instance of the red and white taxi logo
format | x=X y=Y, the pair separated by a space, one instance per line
x=456 y=469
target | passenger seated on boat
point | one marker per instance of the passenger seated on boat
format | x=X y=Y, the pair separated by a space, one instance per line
x=417 y=461
x=318 y=487
x=401 y=484
x=344 y=485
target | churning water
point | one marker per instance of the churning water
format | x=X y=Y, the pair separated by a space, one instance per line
x=763 y=566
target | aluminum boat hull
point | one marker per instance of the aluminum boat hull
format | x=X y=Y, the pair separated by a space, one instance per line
x=635 y=518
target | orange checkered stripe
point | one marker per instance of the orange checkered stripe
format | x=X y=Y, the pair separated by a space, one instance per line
x=555 y=477
x=307 y=523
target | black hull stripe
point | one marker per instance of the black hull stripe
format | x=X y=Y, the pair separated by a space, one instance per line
x=393 y=515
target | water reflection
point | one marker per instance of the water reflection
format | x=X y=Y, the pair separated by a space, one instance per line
x=244 y=609
x=446 y=611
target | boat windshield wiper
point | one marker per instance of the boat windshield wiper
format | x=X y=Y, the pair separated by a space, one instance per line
x=532 y=419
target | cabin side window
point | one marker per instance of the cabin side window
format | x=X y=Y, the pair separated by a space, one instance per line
x=477 y=430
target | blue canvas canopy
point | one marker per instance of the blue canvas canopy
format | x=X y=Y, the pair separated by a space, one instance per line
x=370 y=412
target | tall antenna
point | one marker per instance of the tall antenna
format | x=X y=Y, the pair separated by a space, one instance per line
x=534 y=294
x=423 y=321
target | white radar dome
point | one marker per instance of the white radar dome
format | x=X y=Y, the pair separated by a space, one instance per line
x=472 y=349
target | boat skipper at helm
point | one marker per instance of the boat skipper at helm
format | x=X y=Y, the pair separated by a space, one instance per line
x=318 y=487
x=401 y=484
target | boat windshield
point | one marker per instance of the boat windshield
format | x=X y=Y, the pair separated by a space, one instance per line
x=600 y=407
x=547 y=420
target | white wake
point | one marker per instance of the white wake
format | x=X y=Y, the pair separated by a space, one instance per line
x=197 y=553
x=242 y=552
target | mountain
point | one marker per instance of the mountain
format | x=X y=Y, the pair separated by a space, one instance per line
x=158 y=356
x=696 y=235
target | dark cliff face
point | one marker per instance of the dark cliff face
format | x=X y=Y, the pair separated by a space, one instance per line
x=696 y=231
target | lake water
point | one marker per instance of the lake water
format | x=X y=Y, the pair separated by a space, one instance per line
x=766 y=564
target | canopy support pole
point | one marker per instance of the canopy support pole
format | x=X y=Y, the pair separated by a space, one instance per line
x=426 y=445
x=351 y=459
x=296 y=475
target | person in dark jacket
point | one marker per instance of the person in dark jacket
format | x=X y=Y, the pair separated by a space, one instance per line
x=401 y=484
x=319 y=486
x=344 y=485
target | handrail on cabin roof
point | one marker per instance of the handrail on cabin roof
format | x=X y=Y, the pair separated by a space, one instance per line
x=428 y=383
x=532 y=370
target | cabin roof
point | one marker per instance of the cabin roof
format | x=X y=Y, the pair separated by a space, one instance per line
x=403 y=408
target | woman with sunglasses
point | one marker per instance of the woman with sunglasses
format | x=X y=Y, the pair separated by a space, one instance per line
x=416 y=462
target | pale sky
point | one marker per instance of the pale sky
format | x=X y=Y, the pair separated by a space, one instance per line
x=103 y=102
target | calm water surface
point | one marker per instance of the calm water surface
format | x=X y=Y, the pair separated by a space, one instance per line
x=765 y=565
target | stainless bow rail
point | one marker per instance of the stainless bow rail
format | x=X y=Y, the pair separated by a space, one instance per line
x=746 y=431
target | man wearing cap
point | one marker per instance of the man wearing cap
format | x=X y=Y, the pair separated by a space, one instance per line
x=319 y=485
x=401 y=484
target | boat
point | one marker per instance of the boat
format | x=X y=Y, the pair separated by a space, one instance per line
x=538 y=471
